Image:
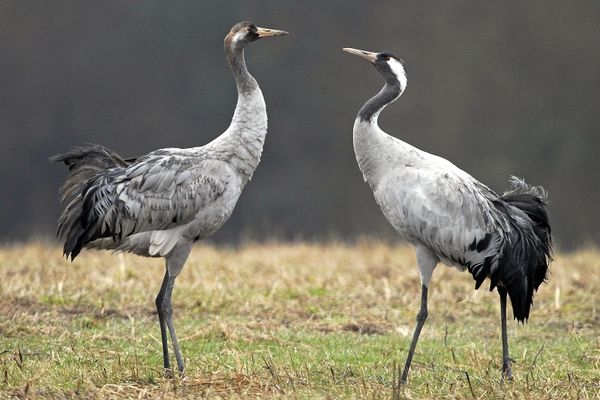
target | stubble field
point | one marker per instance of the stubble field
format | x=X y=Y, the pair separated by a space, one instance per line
x=287 y=321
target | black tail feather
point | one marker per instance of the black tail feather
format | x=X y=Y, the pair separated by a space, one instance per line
x=527 y=251
x=86 y=163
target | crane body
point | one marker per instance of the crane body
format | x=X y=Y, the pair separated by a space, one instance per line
x=159 y=204
x=448 y=215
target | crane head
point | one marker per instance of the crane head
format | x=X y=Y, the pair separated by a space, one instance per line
x=388 y=64
x=245 y=32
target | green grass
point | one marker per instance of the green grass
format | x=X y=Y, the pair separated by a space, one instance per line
x=287 y=321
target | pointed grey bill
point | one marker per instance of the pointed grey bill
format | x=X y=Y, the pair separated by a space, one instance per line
x=365 y=55
x=266 y=32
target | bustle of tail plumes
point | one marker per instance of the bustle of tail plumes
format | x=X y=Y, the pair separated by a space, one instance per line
x=86 y=164
x=527 y=249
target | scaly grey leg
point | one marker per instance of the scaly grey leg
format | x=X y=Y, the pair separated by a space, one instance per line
x=163 y=327
x=506 y=370
x=168 y=313
x=421 y=317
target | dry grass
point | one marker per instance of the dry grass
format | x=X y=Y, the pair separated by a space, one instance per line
x=286 y=321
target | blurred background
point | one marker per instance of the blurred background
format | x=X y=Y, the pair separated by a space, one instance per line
x=498 y=88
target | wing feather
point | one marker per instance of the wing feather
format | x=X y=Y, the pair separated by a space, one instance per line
x=157 y=192
x=440 y=210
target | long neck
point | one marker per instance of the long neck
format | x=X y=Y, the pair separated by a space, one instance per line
x=237 y=63
x=373 y=147
x=243 y=141
x=388 y=94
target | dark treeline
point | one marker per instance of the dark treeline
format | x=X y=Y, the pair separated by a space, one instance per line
x=499 y=88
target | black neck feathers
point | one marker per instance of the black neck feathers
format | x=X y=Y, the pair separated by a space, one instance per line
x=371 y=109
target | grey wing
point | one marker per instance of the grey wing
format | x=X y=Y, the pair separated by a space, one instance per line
x=449 y=213
x=160 y=192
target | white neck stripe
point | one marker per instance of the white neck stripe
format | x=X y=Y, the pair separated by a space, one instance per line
x=398 y=70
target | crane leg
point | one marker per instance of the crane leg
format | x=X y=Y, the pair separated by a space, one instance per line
x=163 y=326
x=175 y=261
x=421 y=317
x=506 y=370
x=168 y=313
x=165 y=318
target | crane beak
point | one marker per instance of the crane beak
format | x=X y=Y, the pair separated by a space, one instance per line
x=365 y=55
x=266 y=32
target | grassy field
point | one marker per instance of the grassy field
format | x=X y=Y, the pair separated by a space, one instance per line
x=287 y=321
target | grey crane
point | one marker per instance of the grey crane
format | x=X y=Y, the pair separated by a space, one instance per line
x=159 y=204
x=448 y=215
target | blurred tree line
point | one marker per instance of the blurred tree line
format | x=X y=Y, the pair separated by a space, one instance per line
x=499 y=88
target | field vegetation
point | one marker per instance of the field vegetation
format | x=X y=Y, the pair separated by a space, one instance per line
x=295 y=320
